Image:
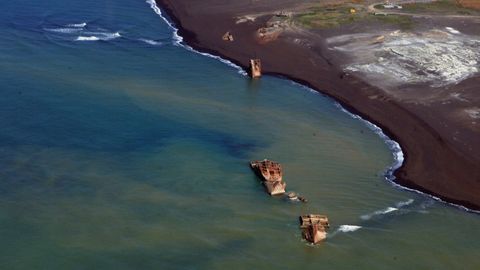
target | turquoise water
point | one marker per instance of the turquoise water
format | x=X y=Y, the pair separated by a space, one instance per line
x=122 y=150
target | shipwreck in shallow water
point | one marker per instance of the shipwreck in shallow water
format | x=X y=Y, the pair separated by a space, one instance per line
x=271 y=174
x=255 y=68
x=314 y=227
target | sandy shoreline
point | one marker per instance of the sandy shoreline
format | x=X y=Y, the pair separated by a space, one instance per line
x=432 y=164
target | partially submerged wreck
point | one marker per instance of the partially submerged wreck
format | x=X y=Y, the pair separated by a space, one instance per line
x=314 y=227
x=255 y=68
x=271 y=174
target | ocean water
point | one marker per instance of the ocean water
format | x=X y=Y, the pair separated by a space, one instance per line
x=120 y=149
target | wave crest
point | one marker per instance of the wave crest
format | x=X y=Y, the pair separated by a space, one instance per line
x=151 y=42
x=349 y=228
x=77 y=25
x=100 y=36
x=178 y=40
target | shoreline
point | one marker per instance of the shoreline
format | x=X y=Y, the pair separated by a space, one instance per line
x=393 y=173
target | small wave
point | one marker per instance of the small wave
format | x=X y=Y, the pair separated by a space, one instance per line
x=90 y=38
x=452 y=30
x=178 y=40
x=64 y=30
x=101 y=36
x=349 y=228
x=387 y=210
x=405 y=203
x=77 y=25
x=151 y=42
x=379 y=212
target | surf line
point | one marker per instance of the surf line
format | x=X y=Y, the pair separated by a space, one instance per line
x=178 y=40
x=393 y=145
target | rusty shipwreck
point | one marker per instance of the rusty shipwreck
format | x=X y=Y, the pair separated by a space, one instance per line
x=314 y=227
x=270 y=172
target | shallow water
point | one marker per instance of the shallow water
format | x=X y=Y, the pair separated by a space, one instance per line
x=122 y=150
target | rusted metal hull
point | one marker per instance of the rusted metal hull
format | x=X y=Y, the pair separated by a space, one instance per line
x=275 y=188
x=270 y=173
x=255 y=68
x=314 y=227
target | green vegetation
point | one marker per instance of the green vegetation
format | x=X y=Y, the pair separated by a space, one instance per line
x=439 y=7
x=332 y=16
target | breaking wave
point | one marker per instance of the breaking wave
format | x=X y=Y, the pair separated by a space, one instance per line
x=387 y=210
x=405 y=203
x=69 y=28
x=178 y=40
x=151 y=42
x=90 y=38
x=394 y=146
x=77 y=25
x=64 y=30
x=379 y=212
x=99 y=36
x=349 y=228
x=344 y=229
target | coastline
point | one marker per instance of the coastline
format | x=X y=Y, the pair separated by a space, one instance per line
x=398 y=173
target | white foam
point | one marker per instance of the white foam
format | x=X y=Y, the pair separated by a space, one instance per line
x=178 y=40
x=452 y=30
x=398 y=160
x=99 y=36
x=77 y=25
x=393 y=145
x=89 y=38
x=69 y=28
x=349 y=228
x=151 y=42
x=64 y=30
x=379 y=212
x=405 y=203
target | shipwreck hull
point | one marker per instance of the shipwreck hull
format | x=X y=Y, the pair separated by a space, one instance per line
x=270 y=173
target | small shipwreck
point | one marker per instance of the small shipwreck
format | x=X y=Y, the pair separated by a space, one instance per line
x=271 y=174
x=255 y=68
x=314 y=227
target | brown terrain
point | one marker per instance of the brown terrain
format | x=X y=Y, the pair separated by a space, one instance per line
x=417 y=77
x=470 y=3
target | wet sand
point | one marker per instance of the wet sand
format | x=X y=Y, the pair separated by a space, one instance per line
x=441 y=154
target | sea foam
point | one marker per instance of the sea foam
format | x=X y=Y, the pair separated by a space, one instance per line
x=349 y=228
x=90 y=38
x=69 y=28
x=378 y=213
x=99 y=36
x=178 y=40
x=150 y=41
x=64 y=30
x=77 y=25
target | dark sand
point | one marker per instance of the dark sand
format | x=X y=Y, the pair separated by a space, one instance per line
x=442 y=151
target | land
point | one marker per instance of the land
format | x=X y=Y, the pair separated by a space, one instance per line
x=412 y=71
